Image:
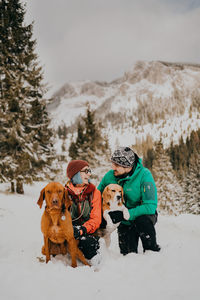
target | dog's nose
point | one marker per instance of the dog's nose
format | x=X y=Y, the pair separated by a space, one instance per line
x=55 y=201
x=119 y=197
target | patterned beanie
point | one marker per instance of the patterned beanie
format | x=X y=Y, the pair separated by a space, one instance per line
x=124 y=157
x=75 y=166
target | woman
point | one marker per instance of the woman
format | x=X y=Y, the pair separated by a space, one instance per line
x=86 y=206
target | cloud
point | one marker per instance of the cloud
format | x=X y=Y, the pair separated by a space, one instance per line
x=101 y=39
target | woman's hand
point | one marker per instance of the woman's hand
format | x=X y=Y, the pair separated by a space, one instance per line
x=79 y=231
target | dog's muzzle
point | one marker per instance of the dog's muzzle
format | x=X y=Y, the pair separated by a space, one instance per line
x=54 y=202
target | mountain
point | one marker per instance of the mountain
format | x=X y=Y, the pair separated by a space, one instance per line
x=159 y=99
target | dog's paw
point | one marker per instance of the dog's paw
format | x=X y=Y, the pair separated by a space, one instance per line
x=126 y=214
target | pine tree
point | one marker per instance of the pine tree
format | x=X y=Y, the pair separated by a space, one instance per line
x=89 y=142
x=185 y=158
x=180 y=155
x=77 y=147
x=92 y=131
x=149 y=158
x=62 y=131
x=26 y=148
x=170 y=193
x=192 y=186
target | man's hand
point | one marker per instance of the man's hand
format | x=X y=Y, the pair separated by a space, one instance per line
x=116 y=216
x=79 y=231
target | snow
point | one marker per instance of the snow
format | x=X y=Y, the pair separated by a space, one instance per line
x=171 y=274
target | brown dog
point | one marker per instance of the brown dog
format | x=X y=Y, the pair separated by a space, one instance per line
x=112 y=200
x=56 y=224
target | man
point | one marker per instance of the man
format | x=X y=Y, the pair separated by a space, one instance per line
x=140 y=196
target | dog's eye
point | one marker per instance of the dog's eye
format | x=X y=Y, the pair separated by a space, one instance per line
x=59 y=191
x=49 y=192
x=113 y=191
x=108 y=203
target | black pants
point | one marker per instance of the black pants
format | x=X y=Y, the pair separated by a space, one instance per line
x=89 y=245
x=142 y=227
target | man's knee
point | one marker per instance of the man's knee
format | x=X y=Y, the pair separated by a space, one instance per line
x=145 y=225
x=147 y=233
x=128 y=239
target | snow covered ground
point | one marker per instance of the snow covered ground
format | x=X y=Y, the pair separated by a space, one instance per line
x=171 y=274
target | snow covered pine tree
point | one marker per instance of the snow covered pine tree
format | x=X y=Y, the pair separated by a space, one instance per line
x=26 y=148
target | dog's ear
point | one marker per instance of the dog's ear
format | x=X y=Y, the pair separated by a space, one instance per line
x=67 y=200
x=41 y=198
x=105 y=194
x=122 y=195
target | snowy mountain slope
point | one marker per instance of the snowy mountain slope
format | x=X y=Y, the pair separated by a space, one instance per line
x=172 y=273
x=151 y=98
x=69 y=105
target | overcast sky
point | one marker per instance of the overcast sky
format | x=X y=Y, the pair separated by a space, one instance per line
x=101 y=39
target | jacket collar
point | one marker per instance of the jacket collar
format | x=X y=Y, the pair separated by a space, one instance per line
x=88 y=189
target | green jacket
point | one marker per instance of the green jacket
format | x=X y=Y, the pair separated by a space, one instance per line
x=140 y=193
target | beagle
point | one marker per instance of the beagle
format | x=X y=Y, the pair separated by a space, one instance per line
x=112 y=200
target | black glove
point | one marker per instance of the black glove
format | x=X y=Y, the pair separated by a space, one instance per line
x=116 y=216
x=79 y=231
x=89 y=245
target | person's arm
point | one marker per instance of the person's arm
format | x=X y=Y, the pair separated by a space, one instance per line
x=95 y=215
x=148 y=197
